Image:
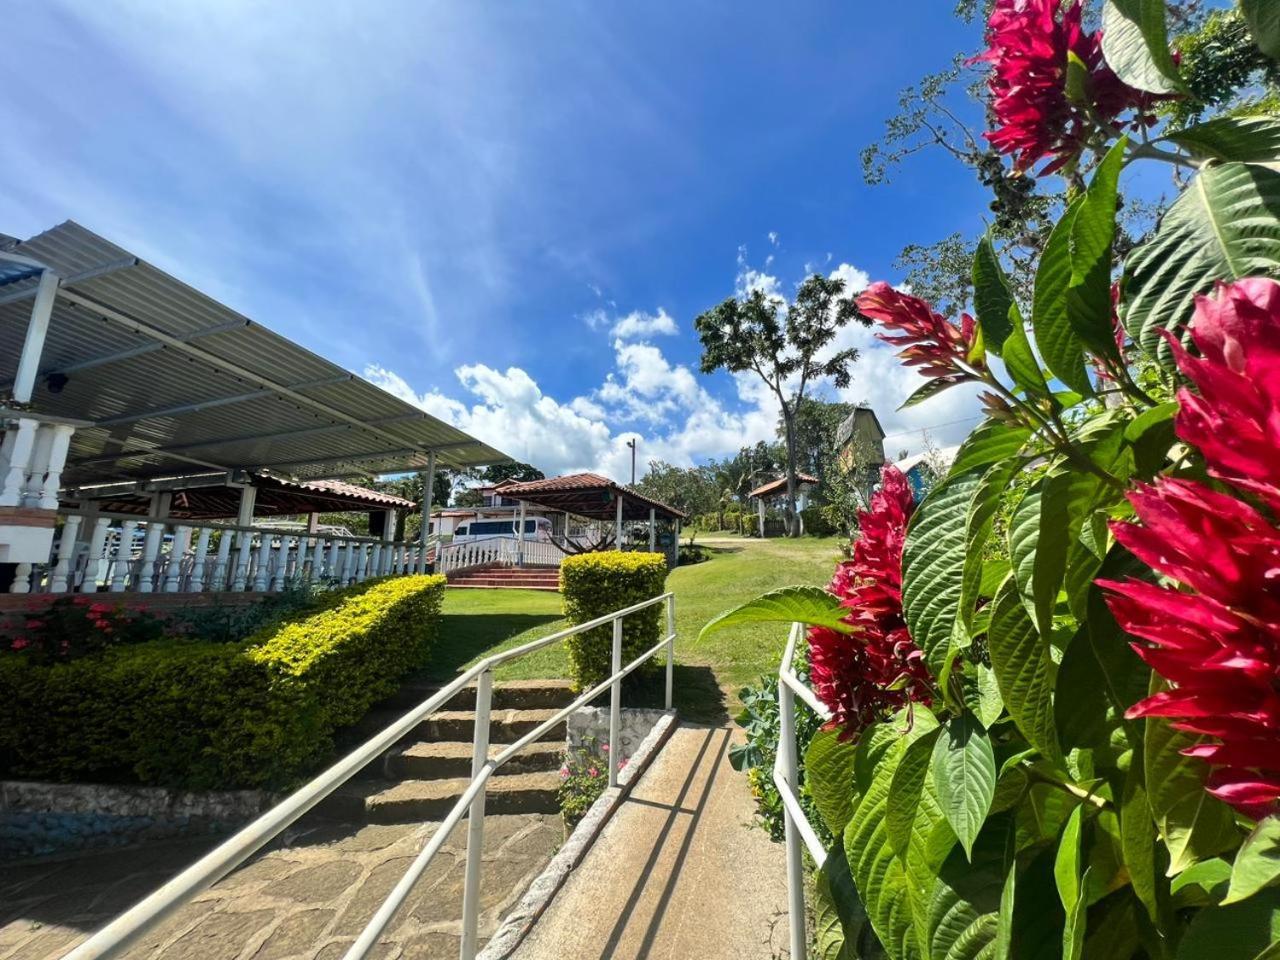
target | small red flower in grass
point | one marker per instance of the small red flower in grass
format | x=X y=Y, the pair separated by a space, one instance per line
x=1028 y=46
x=864 y=675
x=1218 y=640
x=1234 y=417
x=929 y=340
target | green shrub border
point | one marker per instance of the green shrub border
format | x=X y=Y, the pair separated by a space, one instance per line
x=260 y=713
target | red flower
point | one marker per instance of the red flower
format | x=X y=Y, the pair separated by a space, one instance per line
x=1235 y=419
x=1218 y=640
x=20 y=644
x=931 y=341
x=862 y=676
x=1029 y=41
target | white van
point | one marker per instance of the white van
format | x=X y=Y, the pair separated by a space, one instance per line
x=535 y=528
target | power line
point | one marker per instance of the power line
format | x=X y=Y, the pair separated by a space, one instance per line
x=932 y=426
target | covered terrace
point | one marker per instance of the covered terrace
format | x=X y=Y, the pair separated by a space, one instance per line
x=160 y=434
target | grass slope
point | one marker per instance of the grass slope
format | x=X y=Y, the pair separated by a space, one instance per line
x=479 y=622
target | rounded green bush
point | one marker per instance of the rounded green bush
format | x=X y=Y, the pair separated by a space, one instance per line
x=594 y=584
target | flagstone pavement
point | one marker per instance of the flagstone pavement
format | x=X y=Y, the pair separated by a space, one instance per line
x=308 y=897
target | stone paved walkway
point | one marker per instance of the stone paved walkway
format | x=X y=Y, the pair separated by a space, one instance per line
x=307 y=899
x=678 y=873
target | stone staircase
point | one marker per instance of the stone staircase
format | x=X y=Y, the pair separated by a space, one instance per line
x=497 y=577
x=424 y=774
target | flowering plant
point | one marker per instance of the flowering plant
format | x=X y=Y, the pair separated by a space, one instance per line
x=77 y=625
x=1053 y=684
x=584 y=776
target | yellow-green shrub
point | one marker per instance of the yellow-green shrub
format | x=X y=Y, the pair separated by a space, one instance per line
x=258 y=713
x=594 y=584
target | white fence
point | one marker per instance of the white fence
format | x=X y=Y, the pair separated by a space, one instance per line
x=120 y=553
x=113 y=939
x=499 y=551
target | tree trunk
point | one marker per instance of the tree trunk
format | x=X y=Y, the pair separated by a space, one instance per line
x=793 y=515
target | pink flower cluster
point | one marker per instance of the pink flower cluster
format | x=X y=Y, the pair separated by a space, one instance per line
x=1216 y=635
x=864 y=675
x=939 y=347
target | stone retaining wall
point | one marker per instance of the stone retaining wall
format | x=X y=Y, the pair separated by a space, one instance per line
x=594 y=722
x=43 y=818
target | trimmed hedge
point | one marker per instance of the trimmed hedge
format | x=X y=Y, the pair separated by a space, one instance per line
x=259 y=713
x=594 y=584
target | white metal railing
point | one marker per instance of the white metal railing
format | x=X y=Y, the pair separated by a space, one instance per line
x=120 y=553
x=786 y=768
x=125 y=929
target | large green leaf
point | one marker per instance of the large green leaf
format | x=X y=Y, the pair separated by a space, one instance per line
x=1194 y=824
x=877 y=873
x=1024 y=671
x=991 y=296
x=1257 y=863
x=933 y=566
x=1239 y=931
x=1137 y=840
x=1225 y=225
x=1264 y=24
x=1247 y=139
x=811 y=605
x=1092 y=231
x=1080 y=698
x=1071 y=884
x=964 y=774
x=982 y=509
x=905 y=789
x=841 y=929
x=990 y=442
x=1038 y=540
x=1060 y=346
x=828 y=769
x=964 y=910
x=1136 y=45
x=1020 y=360
x=1037 y=912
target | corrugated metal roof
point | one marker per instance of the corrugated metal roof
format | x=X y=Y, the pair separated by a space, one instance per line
x=171 y=377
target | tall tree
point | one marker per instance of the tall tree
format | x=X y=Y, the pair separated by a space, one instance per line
x=817 y=422
x=787 y=346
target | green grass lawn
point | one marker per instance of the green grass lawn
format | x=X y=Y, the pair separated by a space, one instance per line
x=709 y=673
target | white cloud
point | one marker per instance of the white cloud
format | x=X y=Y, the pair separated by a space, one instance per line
x=638 y=324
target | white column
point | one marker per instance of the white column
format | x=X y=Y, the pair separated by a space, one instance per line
x=520 y=537
x=244 y=543
x=374 y=567
x=21 y=579
x=219 y=579
x=428 y=498
x=282 y=563
x=333 y=570
x=653 y=530
x=124 y=556
x=16 y=455
x=97 y=552
x=177 y=551
x=248 y=498
x=317 y=558
x=57 y=460
x=147 y=573
x=24 y=380
x=760 y=514
x=202 y=553
x=264 y=551
x=66 y=551
x=617 y=526
x=362 y=557
x=41 y=448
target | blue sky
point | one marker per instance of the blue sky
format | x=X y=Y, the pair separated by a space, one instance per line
x=508 y=212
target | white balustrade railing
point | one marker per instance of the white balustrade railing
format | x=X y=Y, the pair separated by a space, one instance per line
x=33 y=451
x=120 y=553
x=117 y=936
x=497 y=551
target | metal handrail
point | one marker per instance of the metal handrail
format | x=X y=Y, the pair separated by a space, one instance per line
x=786 y=774
x=125 y=929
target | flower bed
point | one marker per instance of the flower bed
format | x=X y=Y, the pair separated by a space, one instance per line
x=182 y=713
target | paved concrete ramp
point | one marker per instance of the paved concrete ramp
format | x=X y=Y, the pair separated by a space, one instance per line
x=678 y=873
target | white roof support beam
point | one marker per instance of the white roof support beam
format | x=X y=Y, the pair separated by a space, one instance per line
x=28 y=292
x=24 y=380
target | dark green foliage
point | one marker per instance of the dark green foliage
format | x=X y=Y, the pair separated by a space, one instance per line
x=594 y=584
x=258 y=713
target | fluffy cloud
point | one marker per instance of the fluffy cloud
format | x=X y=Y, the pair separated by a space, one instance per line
x=669 y=407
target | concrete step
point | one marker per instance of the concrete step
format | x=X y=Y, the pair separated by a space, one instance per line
x=499 y=586
x=505 y=582
x=506 y=726
x=411 y=801
x=507 y=695
x=439 y=761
